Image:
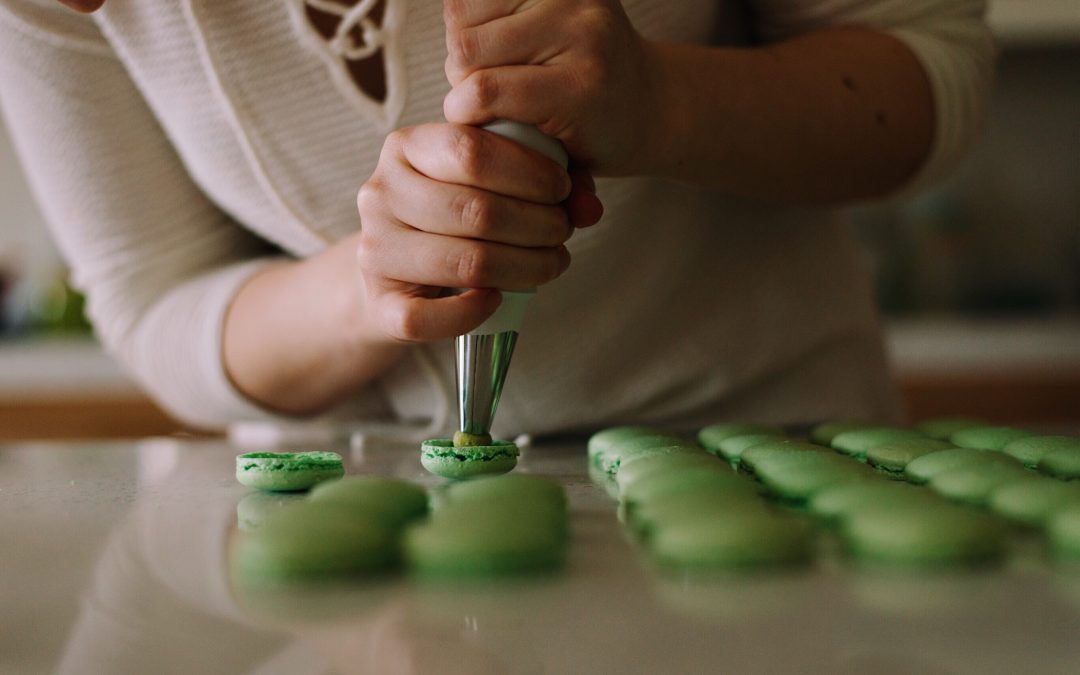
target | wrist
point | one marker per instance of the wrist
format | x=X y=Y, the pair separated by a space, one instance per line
x=666 y=123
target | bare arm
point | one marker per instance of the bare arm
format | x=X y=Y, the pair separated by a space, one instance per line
x=825 y=117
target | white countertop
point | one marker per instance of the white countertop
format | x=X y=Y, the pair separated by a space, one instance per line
x=114 y=561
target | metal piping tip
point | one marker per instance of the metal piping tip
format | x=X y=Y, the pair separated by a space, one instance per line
x=482 y=364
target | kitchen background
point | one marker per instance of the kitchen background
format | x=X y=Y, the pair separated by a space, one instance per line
x=978 y=279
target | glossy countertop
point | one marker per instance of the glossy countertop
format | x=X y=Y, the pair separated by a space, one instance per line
x=113 y=559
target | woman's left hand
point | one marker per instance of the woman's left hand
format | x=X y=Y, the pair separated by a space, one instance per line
x=577 y=69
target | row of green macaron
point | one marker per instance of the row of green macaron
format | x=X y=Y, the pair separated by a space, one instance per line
x=372 y=526
x=876 y=517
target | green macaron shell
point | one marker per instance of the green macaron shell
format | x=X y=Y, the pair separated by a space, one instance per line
x=287 y=471
x=988 y=438
x=777 y=450
x=392 y=501
x=1063 y=533
x=733 y=447
x=612 y=459
x=720 y=479
x=255 y=508
x=974 y=484
x=600 y=442
x=942 y=428
x=745 y=538
x=646 y=518
x=930 y=534
x=480 y=540
x=312 y=541
x=1030 y=502
x=519 y=488
x=1063 y=463
x=855 y=443
x=922 y=469
x=1031 y=449
x=440 y=457
x=797 y=478
x=836 y=503
x=713 y=435
x=894 y=456
x=824 y=433
x=639 y=467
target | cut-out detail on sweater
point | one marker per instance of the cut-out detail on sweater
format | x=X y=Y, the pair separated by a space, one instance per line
x=358 y=42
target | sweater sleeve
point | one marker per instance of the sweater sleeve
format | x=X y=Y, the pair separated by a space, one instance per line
x=159 y=262
x=949 y=38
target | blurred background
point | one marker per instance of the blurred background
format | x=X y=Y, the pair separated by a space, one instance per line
x=978 y=279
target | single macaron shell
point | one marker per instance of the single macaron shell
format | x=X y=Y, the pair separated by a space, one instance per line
x=1063 y=533
x=824 y=433
x=841 y=501
x=440 y=457
x=988 y=438
x=393 y=501
x=931 y=534
x=942 y=428
x=855 y=443
x=1031 y=449
x=894 y=456
x=745 y=538
x=713 y=435
x=311 y=541
x=287 y=471
x=922 y=469
x=603 y=440
x=973 y=484
x=1030 y=502
x=1063 y=463
x=733 y=447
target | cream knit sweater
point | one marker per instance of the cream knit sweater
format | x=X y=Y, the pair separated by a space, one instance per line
x=176 y=147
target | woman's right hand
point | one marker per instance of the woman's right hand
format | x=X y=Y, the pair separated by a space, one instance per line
x=452 y=206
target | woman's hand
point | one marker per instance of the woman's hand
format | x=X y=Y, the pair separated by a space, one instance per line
x=454 y=206
x=577 y=69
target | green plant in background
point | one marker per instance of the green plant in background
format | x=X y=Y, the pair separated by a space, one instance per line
x=62 y=310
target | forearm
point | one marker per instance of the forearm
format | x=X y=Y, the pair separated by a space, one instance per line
x=297 y=338
x=827 y=117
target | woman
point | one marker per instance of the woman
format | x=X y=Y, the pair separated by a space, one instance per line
x=198 y=163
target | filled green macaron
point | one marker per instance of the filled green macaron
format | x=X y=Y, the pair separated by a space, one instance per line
x=720 y=479
x=640 y=467
x=797 y=478
x=676 y=507
x=287 y=471
x=440 y=457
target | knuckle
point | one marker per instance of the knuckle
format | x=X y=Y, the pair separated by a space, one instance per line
x=484 y=88
x=473 y=267
x=552 y=265
x=468 y=151
x=463 y=47
x=474 y=214
x=367 y=252
x=454 y=11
